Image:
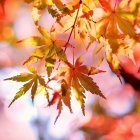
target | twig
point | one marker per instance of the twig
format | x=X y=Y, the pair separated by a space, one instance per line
x=73 y=26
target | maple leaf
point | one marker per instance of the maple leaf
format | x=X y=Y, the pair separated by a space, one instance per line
x=66 y=94
x=32 y=82
x=55 y=7
x=53 y=12
x=50 y=49
x=77 y=77
x=40 y=4
x=79 y=93
x=49 y=65
x=113 y=62
x=114 y=18
x=115 y=31
x=62 y=96
x=88 y=5
x=59 y=107
x=33 y=41
x=115 y=27
x=64 y=9
x=23 y=77
x=114 y=50
x=58 y=4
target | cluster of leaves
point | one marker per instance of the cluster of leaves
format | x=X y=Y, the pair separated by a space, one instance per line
x=114 y=30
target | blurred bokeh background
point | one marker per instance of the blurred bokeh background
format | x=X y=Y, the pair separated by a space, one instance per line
x=117 y=118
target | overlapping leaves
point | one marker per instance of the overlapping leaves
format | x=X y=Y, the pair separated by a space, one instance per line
x=62 y=97
x=50 y=49
x=114 y=30
x=77 y=77
x=115 y=26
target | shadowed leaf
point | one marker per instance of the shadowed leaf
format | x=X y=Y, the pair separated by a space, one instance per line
x=89 y=84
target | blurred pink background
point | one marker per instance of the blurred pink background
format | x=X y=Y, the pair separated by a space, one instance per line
x=116 y=118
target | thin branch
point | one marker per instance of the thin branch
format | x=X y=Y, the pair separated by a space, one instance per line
x=67 y=29
x=73 y=26
x=92 y=21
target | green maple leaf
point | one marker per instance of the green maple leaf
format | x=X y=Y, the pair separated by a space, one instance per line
x=50 y=49
x=23 y=77
x=22 y=91
x=33 y=80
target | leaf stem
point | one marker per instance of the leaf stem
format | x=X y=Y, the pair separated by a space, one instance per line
x=73 y=56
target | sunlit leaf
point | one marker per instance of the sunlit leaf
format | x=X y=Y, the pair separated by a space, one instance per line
x=22 y=91
x=34 y=89
x=77 y=76
x=23 y=77
x=60 y=53
x=49 y=65
x=78 y=91
x=33 y=41
x=32 y=69
x=114 y=63
x=126 y=27
x=35 y=14
x=58 y=4
x=66 y=94
x=113 y=26
x=44 y=32
x=33 y=84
